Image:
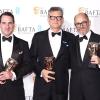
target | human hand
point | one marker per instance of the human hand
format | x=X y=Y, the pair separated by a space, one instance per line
x=95 y=59
x=5 y=75
x=2 y=82
x=48 y=75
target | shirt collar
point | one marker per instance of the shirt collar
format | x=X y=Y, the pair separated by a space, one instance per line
x=50 y=31
x=9 y=36
x=87 y=35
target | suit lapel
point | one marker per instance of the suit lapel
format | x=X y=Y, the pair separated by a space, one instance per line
x=16 y=52
x=46 y=47
x=86 y=55
x=64 y=44
x=86 y=59
x=1 y=60
x=16 y=49
x=78 y=51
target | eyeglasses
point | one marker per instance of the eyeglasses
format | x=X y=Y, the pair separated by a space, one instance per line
x=55 y=17
x=84 y=23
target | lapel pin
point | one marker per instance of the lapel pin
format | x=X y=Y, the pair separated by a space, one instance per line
x=20 y=52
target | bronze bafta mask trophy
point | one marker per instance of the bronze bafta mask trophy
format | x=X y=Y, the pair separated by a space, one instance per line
x=48 y=61
x=10 y=64
x=93 y=48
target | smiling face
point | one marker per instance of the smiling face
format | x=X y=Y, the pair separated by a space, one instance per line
x=7 y=25
x=82 y=23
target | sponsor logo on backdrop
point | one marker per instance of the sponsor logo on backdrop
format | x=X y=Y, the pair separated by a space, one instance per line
x=25 y=29
x=28 y=29
x=69 y=29
x=5 y=10
x=40 y=11
x=39 y=28
x=90 y=12
x=16 y=10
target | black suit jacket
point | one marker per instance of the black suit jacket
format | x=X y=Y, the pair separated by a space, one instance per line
x=85 y=77
x=13 y=90
x=41 y=48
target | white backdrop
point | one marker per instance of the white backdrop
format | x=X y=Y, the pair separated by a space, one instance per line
x=31 y=17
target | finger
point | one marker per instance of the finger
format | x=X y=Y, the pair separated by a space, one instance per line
x=50 y=77
x=52 y=72
x=93 y=62
x=2 y=82
x=47 y=80
x=2 y=77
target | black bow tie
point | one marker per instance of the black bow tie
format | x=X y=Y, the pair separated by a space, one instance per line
x=8 y=39
x=81 y=38
x=53 y=34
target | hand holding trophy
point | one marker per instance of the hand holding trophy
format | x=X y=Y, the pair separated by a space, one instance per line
x=93 y=48
x=10 y=64
x=48 y=61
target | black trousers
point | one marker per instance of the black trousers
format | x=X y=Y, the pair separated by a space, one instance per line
x=47 y=92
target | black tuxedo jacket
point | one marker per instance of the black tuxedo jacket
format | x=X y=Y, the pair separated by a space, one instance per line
x=13 y=90
x=41 y=48
x=85 y=77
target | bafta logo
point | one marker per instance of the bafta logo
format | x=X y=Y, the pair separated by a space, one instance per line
x=48 y=61
x=93 y=47
x=10 y=64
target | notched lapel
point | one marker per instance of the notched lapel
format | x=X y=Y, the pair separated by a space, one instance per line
x=17 y=52
x=64 y=45
x=86 y=58
x=1 y=60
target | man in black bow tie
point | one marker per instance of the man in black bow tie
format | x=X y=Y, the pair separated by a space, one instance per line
x=85 y=78
x=57 y=33
x=56 y=43
x=82 y=38
x=7 y=38
x=11 y=79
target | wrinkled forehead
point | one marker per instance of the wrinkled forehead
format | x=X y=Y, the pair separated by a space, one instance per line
x=81 y=17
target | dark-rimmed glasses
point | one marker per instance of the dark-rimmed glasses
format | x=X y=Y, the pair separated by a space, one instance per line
x=55 y=17
x=84 y=23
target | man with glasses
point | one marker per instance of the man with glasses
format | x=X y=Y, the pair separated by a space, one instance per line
x=51 y=51
x=85 y=76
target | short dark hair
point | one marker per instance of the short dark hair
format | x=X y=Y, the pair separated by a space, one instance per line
x=7 y=14
x=55 y=9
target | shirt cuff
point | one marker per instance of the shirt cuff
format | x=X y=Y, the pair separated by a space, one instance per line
x=41 y=74
x=14 y=76
x=99 y=65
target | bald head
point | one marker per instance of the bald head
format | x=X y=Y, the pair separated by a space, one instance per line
x=83 y=15
x=82 y=23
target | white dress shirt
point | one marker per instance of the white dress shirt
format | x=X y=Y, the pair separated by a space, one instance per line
x=55 y=42
x=83 y=44
x=6 y=49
